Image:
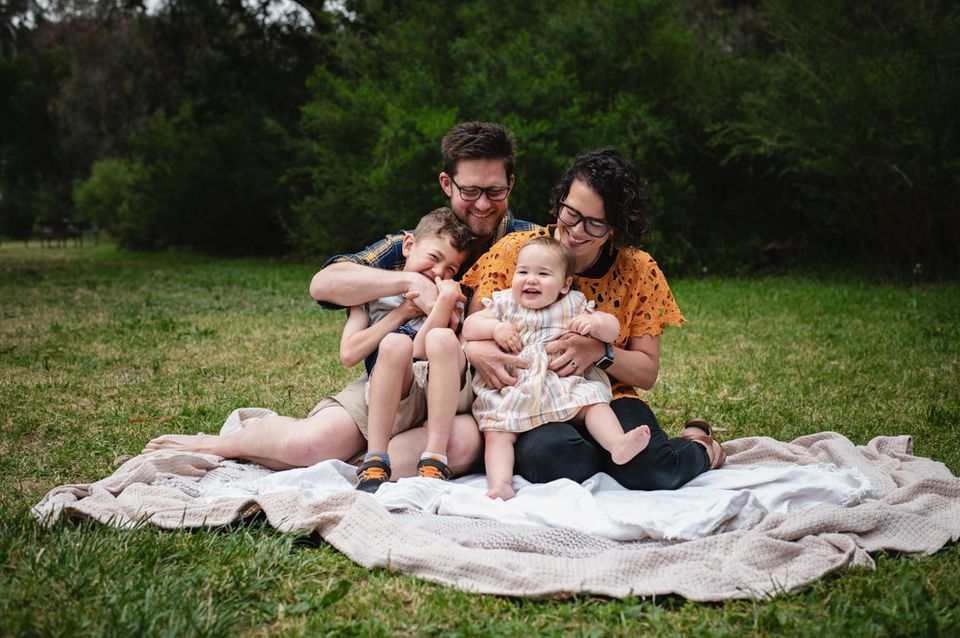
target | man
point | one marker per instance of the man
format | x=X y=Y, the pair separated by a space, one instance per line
x=477 y=176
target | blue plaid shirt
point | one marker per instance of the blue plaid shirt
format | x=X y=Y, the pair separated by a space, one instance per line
x=388 y=252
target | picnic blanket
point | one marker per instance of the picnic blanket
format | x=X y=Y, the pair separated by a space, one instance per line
x=777 y=517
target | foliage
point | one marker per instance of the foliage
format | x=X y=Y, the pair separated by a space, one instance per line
x=855 y=114
x=769 y=131
x=109 y=189
x=101 y=349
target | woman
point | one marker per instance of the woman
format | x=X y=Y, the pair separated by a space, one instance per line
x=602 y=210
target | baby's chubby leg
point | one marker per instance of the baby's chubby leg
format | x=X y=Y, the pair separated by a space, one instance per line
x=603 y=425
x=498 y=459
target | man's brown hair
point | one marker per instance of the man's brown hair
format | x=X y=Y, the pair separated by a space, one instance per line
x=477 y=140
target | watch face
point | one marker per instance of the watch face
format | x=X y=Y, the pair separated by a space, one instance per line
x=607 y=360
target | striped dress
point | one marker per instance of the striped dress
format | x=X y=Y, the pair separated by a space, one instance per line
x=539 y=396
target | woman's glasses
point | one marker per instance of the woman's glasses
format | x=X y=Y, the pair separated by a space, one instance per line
x=571 y=217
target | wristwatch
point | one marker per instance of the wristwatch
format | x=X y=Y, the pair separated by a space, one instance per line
x=607 y=359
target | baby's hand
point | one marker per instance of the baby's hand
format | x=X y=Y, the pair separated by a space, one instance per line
x=507 y=337
x=583 y=324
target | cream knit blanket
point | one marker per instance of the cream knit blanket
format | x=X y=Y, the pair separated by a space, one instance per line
x=913 y=507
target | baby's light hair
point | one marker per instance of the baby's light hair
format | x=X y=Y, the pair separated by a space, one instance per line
x=567 y=260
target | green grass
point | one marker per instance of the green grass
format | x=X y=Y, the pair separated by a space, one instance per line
x=100 y=350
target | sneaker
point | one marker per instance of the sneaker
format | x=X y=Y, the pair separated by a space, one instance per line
x=432 y=468
x=372 y=475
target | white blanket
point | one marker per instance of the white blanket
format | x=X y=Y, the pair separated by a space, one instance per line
x=728 y=498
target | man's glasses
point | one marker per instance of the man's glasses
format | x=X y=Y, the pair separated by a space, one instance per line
x=571 y=217
x=473 y=193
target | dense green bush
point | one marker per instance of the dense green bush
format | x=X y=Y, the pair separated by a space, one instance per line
x=768 y=130
x=109 y=189
x=855 y=114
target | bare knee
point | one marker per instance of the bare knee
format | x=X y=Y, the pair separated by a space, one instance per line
x=329 y=434
x=395 y=348
x=441 y=342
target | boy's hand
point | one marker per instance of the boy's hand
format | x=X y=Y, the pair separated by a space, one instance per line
x=448 y=288
x=409 y=306
x=424 y=293
x=583 y=324
x=507 y=337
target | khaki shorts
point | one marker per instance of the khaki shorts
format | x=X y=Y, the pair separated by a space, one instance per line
x=412 y=410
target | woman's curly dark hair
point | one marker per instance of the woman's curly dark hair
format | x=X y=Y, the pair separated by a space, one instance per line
x=626 y=198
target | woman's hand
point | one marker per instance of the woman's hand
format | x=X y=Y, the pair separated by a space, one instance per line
x=573 y=353
x=491 y=363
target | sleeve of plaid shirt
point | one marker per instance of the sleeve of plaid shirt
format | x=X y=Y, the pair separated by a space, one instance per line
x=386 y=253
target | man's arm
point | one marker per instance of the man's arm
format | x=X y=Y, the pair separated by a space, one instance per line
x=346 y=283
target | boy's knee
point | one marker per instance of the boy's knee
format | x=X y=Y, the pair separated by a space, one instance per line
x=441 y=342
x=395 y=346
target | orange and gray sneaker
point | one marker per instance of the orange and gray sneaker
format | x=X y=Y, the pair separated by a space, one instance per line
x=373 y=473
x=433 y=468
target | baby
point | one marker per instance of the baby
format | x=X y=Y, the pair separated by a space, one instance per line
x=538 y=308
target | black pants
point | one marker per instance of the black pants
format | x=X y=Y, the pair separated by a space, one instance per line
x=564 y=450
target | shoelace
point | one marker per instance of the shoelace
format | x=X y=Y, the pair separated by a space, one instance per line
x=429 y=471
x=375 y=473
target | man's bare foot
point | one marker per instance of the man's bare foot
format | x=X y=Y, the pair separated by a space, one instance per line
x=503 y=490
x=182 y=443
x=633 y=443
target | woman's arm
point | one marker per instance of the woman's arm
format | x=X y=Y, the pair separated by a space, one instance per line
x=638 y=364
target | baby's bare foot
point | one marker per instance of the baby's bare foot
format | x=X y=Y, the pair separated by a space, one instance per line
x=180 y=442
x=633 y=443
x=504 y=491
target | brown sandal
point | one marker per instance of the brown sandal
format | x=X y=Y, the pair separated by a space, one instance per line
x=707 y=440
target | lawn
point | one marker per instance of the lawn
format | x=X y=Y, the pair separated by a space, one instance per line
x=100 y=350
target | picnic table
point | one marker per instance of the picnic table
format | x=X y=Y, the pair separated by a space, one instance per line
x=59 y=232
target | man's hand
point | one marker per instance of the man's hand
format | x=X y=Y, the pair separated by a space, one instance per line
x=491 y=363
x=583 y=351
x=409 y=306
x=426 y=292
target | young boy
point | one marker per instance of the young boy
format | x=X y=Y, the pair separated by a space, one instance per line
x=393 y=338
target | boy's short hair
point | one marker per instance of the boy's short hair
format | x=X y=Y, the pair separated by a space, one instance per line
x=477 y=140
x=444 y=223
x=566 y=257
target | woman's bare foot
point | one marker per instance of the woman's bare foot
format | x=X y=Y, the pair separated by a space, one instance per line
x=504 y=491
x=633 y=443
x=203 y=443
